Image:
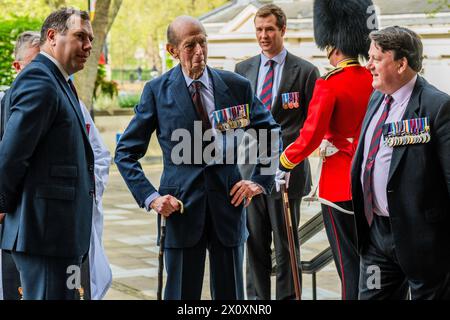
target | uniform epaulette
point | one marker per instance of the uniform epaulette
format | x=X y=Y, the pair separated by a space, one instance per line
x=331 y=73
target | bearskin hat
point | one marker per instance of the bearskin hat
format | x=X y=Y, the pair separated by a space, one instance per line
x=345 y=25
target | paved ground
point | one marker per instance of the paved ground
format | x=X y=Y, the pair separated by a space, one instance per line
x=130 y=242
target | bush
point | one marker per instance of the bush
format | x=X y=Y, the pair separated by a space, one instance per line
x=129 y=100
x=9 y=31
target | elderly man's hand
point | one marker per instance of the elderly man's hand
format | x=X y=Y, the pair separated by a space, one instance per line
x=243 y=190
x=2 y=217
x=165 y=205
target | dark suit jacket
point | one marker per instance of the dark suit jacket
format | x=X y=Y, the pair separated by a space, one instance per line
x=298 y=76
x=46 y=167
x=166 y=106
x=418 y=188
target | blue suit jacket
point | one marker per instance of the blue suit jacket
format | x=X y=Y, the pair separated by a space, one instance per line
x=165 y=106
x=46 y=167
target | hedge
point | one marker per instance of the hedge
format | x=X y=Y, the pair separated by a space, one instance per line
x=9 y=31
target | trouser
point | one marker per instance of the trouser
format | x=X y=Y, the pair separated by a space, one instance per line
x=265 y=218
x=185 y=269
x=341 y=233
x=48 y=278
x=382 y=277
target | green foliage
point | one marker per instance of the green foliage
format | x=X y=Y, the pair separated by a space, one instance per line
x=129 y=100
x=9 y=31
x=143 y=24
x=104 y=86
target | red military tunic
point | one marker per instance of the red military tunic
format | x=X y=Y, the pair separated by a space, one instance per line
x=335 y=113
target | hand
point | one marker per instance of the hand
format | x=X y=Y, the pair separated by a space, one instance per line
x=281 y=177
x=2 y=217
x=165 y=205
x=242 y=190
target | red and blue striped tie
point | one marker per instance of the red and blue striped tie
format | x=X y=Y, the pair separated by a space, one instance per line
x=266 y=92
x=373 y=150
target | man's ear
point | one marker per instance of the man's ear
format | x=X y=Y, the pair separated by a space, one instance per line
x=51 y=36
x=402 y=65
x=16 y=65
x=283 y=31
x=172 y=50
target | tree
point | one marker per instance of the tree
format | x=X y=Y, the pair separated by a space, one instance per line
x=105 y=13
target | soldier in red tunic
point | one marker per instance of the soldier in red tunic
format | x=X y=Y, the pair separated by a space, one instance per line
x=334 y=120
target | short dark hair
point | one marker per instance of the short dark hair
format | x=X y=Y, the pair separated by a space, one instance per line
x=269 y=9
x=404 y=42
x=58 y=20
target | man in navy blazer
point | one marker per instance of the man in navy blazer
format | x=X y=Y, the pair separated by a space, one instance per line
x=47 y=164
x=401 y=176
x=189 y=100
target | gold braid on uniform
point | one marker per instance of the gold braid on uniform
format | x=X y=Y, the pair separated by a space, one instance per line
x=351 y=62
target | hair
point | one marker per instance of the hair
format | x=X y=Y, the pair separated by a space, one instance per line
x=58 y=20
x=404 y=43
x=172 y=36
x=270 y=9
x=27 y=39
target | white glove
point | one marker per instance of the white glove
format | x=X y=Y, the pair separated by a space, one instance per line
x=281 y=177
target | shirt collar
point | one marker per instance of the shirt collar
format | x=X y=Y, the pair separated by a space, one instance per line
x=279 y=58
x=56 y=62
x=204 y=79
x=404 y=93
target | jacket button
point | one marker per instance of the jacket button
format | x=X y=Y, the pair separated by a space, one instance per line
x=91 y=168
x=91 y=193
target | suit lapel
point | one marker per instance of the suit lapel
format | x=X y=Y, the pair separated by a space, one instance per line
x=181 y=95
x=253 y=71
x=290 y=73
x=222 y=95
x=75 y=104
x=411 y=112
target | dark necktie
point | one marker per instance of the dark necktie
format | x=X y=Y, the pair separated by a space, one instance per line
x=197 y=99
x=74 y=90
x=266 y=92
x=368 y=169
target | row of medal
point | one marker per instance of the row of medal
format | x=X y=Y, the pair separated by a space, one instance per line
x=232 y=118
x=407 y=132
x=290 y=100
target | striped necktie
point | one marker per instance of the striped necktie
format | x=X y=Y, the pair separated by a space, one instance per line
x=373 y=150
x=266 y=92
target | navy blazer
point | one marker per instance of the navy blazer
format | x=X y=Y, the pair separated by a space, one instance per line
x=418 y=188
x=46 y=166
x=165 y=106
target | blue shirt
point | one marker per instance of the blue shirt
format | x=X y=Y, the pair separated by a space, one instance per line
x=278 y=66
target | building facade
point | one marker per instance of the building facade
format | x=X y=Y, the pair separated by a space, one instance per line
x=231 y=33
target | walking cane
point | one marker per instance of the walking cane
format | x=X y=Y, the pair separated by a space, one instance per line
x=290 y=234
x=162 y=240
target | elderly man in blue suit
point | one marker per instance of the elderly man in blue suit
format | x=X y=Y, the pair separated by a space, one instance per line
x=197 y=101
x=47 y=164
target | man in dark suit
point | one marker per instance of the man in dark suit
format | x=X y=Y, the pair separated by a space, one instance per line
x=26 y=49
x=196 y=103
x=47 y=164
x=284 y=83
x=401 y=176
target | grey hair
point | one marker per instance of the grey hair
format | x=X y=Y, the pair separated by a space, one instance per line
x=27 y=39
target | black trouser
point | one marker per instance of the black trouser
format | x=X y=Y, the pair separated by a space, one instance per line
x=382 y=277
x=264 y=217
x=340 y=228
x=10 y=277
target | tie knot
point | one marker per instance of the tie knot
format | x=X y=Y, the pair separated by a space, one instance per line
x=197 y=85
x=270 y=63
x=389 y=99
